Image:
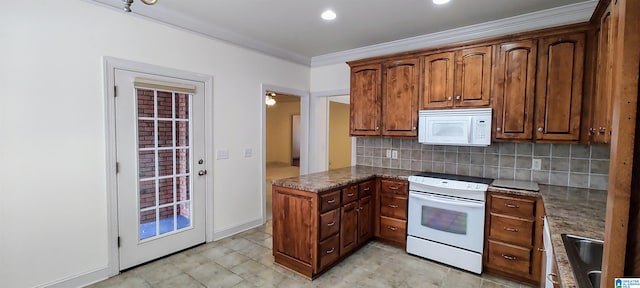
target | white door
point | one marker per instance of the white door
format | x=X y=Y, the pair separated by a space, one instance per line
x=160 y=147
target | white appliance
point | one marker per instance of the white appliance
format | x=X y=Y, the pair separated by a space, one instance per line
x=461 y=127
x=446 y=219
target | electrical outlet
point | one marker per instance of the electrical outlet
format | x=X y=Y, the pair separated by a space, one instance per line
x=394 y=154
x=388 y=153
x=536 y=164
x=248 y=152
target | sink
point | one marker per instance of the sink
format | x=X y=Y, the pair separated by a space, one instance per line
x=585 y=257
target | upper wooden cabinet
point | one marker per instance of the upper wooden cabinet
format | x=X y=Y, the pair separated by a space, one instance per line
x=559 y=87
x=600 y=128
x=400 y=97
x=457 y=79
x=365 y=100
x=514 y=90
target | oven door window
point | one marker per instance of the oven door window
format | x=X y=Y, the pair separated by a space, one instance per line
x=444 y=220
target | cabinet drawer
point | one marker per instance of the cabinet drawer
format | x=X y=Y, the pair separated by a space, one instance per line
x=329 y=201
x=393 y=229
x=329 y=251
x=518 y=207
x=512 y=230
x=367 y=188
x=349 y=194
x=394 y=207
x=329 y=223
x=398 y=188
x=509 y=257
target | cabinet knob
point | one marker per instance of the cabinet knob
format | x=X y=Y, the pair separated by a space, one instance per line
x=458 y=97
x=602 y=130
x=498 y=129
x=377 y=127
x=449 y=98
x=540 y=129
x=414 y=128
x=592 y=130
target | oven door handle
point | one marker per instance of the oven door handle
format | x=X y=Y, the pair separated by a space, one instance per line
x=425 y=197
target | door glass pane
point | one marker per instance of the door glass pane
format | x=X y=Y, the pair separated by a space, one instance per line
x=444 y=220
x=164 y=161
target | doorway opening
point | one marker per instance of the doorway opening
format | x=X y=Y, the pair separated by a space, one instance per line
x=283 y=140
x=340 y=144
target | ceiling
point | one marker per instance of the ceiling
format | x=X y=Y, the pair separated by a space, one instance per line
x=295 y=26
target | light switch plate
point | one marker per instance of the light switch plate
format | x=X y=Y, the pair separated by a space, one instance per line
x=248 y=152
x=394 y=154
x=222 y=154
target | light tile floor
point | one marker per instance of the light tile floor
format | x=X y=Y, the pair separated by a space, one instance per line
x=245 y=260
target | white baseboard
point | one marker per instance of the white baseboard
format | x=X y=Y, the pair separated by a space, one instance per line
x=237 y=229
x=79 y=280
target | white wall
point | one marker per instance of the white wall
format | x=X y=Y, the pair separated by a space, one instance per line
x=330 y=80
x=53 y=214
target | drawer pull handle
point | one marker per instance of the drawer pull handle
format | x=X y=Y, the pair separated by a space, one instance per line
x=331 y=201
x=550 y=276
x=510 y=229
x=331 y=224
x=393 y=187
x=350 y=194
x=392 y=228
x=541 y=250
x=508 y=257
x=330 y=250
x=393 y=206
x=511 y=205
x=366 y=189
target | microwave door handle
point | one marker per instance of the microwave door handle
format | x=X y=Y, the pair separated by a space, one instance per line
x=448 y=202
x=470 y=136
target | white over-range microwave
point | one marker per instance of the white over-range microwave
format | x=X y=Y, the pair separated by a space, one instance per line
x=461 y=127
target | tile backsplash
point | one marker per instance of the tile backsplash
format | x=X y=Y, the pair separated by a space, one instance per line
x=574 y=165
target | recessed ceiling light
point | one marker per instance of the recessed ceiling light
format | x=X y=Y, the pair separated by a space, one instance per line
x=328 y=15
x=440 y=2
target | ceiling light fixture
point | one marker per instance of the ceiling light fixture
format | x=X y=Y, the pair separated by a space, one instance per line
x=440 y=2
x=328 y=15
x=127 y=4
x=269 y=100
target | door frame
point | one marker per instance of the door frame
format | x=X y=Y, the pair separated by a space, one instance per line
x=304 y=136
x=110 y=64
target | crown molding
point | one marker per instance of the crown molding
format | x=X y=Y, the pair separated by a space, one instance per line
x=563 y=15
x=174 y=19
x=569 y=14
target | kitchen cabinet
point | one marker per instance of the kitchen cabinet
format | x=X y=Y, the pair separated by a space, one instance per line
x=391 y=226
x=600 y=128
x=513 y=231
x=400 y=97
x=514 y=90
x=313 y=231
x=459 y=78
x=558 y=103
x=365 y=118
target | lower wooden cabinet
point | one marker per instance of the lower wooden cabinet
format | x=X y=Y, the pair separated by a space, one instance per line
x=513 y=246
x=313 y=231
x=391 y=219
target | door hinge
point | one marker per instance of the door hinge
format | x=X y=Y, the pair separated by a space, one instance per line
x=117 y=167
x=115 y=91
x=118 y=241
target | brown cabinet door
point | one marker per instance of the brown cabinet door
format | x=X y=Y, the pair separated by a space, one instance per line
x=601 y=122
x=559 y=87
x=365 y=100
x=514 y=90
x=348 y=228
x=365 y=217
x=473 y=77
x=294 y=238
x=437 y=80
x=400 y=98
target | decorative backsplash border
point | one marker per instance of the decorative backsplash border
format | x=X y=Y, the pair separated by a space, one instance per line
x=573 y=165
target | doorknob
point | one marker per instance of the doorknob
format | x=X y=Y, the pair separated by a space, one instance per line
x=202 y=172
